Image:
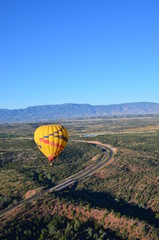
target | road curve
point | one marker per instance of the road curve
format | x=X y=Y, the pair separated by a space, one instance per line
x=105 y=158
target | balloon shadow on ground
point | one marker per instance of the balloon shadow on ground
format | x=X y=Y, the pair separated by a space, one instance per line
x=105 y=200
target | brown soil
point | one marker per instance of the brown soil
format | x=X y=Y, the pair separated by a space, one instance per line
x=95 y=157
x=30 y=193
x=109 y=221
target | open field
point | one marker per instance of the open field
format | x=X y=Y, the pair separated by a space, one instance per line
x=90 y=126
x=120 y=201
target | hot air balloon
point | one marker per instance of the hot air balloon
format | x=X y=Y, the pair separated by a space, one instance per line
x=51 y=140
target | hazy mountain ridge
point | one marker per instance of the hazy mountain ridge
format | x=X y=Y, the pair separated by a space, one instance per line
x=70 y=111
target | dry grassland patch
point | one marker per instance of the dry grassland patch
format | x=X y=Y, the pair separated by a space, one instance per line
x=147 y=128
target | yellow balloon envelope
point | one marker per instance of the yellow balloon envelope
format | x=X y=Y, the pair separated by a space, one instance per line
x=51 y=140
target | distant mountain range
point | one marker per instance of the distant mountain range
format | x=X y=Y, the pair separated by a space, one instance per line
x=71 y=111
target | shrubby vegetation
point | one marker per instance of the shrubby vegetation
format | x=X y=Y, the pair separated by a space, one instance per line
x=24 y=167
x=57 y=227
x=133 y=176
x=128 y=188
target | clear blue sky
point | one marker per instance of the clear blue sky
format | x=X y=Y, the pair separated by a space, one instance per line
x=78 y=51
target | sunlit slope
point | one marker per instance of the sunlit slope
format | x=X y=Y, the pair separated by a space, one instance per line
x=71 y=111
